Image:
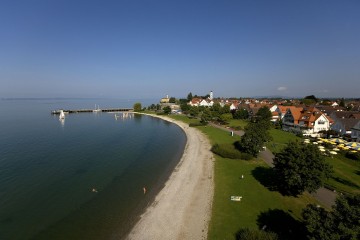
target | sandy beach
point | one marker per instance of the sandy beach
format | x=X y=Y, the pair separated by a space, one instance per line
x=182 y=209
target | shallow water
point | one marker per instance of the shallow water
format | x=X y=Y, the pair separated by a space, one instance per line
x=48 y=169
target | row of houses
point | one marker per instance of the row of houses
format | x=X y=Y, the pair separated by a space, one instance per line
x=309 y=120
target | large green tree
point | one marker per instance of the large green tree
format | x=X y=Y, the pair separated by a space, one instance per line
x=241 y=114
x=194 y=111
x=137 y=107
x=300 y=167
x=343 y=222
x=264 y=114
x=263 y=117
x=254 y=138
x=167 y=110
x=206 y=116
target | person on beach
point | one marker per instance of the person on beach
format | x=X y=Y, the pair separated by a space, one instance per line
x=144 y=190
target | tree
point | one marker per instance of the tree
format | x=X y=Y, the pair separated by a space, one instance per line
x=167 y=110
x=194 y=111
x=343 y=222
x=347 y=216
x=300 y=167
x=254 y=138
x=189 y=96
x=241 y=114
x=263 y=117
x=224 y=109
x=264 y=114
x=342 y=102
x=206 y=116
x=184 y=107
x=137 y=107
x=317 y=222
x=225 y=118
x=172 y=100
x=308 y=100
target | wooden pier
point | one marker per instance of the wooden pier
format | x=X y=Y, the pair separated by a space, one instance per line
x=96 y=110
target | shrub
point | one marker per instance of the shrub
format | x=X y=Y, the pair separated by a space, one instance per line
x=353 y=156
x=228 y=151
x=197 y=124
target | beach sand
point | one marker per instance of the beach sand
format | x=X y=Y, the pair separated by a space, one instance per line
x=182 y=209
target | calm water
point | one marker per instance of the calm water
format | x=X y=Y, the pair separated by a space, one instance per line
x=48 y=169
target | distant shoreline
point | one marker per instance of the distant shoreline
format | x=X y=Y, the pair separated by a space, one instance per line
x=182 y=209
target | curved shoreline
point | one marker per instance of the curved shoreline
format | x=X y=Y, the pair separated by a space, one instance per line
x=182 y=209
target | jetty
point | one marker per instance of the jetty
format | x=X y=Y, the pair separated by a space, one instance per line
x=92 y=110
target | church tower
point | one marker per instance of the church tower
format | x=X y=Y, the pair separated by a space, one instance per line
x=211 y=95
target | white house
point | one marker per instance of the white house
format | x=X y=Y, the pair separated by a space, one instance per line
x=355 y=132
x=309 y=121
x=206 y=103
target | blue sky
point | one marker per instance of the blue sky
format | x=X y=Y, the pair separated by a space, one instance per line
x=149 y=48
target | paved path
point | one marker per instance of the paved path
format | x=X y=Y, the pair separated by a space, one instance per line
x=323 y=195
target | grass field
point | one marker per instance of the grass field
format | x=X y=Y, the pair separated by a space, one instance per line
x=346 y=176
x=259 y=205
x=237 y=123
x=279 y=139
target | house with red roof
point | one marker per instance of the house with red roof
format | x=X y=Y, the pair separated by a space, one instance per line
x=309 y=121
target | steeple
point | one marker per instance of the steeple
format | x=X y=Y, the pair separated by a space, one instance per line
x=211 y=95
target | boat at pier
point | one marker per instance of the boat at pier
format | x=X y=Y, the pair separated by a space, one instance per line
x=96 y=110
x=62 y=115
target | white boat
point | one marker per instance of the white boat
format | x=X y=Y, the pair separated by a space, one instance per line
x=62 y=114
x=97 y=109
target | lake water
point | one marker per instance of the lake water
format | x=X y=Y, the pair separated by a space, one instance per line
x=49 y=168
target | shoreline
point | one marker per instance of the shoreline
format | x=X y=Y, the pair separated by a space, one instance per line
x=182 y=208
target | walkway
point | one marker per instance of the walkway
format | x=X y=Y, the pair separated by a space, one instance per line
x=323 y=195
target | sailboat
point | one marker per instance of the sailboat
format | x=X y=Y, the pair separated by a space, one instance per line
x=62 y=115
x=96 y=110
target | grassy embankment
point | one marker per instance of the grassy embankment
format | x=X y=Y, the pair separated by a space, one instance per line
x=259 y=206
x=346 y=175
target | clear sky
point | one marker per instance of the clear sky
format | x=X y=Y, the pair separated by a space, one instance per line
x=149 y=48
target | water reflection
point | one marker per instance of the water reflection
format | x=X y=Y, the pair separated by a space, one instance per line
x=124 y=116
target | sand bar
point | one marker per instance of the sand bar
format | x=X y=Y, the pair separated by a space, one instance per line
x=182 y=209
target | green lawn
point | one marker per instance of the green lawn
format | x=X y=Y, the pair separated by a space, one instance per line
x=258 y=207
x=184 y=118
x=346 y=176
x=279 y=139
x=237 y=123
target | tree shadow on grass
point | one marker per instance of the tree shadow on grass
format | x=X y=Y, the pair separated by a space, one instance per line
x=268 y=178
x=281 y=223
x=346 y=182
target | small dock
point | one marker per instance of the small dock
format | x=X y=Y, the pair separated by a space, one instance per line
x=96 y=110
